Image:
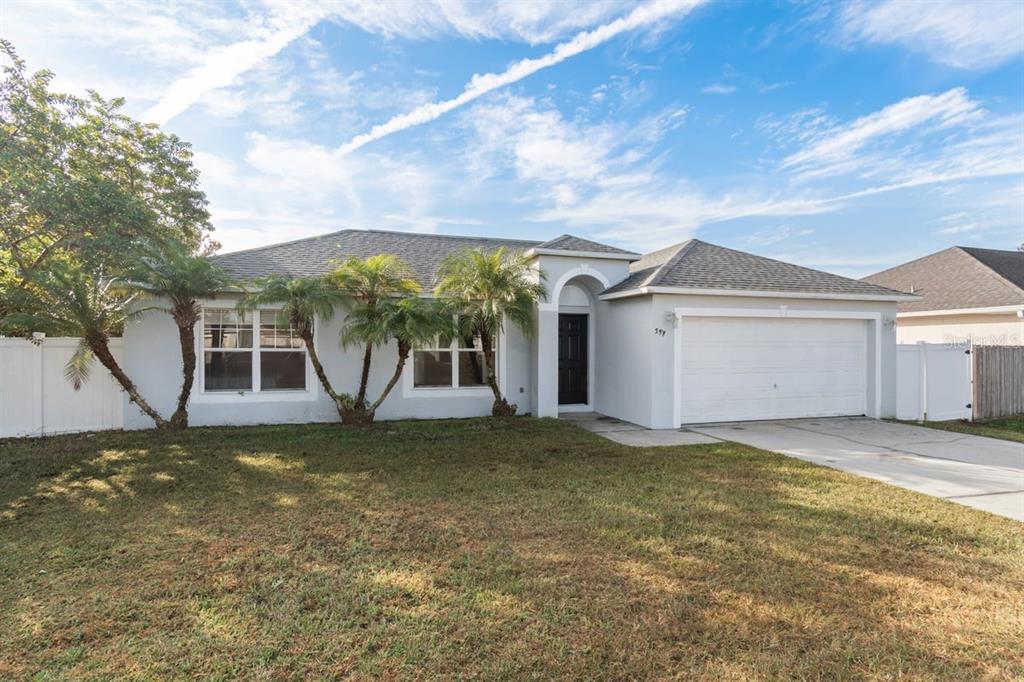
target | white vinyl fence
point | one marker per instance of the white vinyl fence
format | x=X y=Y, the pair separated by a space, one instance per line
x=36 y=399
x=933 y=382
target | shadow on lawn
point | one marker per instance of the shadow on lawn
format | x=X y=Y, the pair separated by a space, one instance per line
x=507 y=548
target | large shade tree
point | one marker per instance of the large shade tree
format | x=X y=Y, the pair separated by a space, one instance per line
x=77 y=175
x=182 y=278
x=366 y=283
x=85 y=191
x=485 y=288
x=305 y=302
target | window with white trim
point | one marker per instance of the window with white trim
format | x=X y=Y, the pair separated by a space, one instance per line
x=251 y=351
x=450 y=363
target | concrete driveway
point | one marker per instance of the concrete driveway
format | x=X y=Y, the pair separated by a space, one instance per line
x=985 y=473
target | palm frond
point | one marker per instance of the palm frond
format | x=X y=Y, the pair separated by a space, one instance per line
x=77 y=369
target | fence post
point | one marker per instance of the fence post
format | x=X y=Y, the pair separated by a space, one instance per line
x=40 y=339
x=922 y=358
x=973 y=368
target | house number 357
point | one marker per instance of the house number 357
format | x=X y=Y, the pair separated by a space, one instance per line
x=659 y=331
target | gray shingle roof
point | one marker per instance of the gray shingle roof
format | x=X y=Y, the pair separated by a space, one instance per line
x=958 y=277
x=313 y=256
x=695 y=264
x=568 y=242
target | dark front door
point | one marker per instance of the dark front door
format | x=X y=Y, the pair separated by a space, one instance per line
x=572 y=359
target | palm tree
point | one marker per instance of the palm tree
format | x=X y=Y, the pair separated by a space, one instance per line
x=182 y=278
x=78 y=299
x=303 y=301
x=367 y=283
x=485 y=288
x=409 y=321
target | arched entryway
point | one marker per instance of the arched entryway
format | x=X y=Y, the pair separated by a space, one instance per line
x=577 y=347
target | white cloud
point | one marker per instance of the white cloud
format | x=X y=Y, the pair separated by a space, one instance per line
x=221 y=66
x=778 y=234
x=961 y=33
x=657 y=212
x=840 y=143
x=479 y=85
x=288 y=188
x=538 y=143
x=718 y=89
x=534 y=22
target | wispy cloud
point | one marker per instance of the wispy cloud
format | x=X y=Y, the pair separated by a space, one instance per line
x=776 y=235
x=223 y=65
x=972 y=35
x=479 y=85
x=839 y=143
x=718 y=89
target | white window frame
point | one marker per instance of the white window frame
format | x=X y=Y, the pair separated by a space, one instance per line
x=410 y=390
x=255 y=394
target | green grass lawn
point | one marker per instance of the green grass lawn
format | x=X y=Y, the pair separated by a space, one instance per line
x=1007 y=428
x=511 y=548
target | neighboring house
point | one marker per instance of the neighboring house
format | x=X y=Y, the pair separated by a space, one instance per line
x=967 y=295
x=691 y=333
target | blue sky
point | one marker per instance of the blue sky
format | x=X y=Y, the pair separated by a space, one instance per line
x=845 y=136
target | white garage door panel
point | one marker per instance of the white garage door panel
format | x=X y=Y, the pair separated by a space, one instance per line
x=757 y=368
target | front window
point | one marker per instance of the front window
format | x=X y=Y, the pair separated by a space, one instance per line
x=450 y=363
x=247 y=351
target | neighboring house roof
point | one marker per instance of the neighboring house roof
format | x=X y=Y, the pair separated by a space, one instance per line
x=958 y=278
x=568 y=242
x=695 y=264
x=423 y=252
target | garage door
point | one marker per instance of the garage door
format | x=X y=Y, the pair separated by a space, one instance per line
x=737 y=369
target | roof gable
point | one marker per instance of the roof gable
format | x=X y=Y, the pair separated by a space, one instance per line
x=958 y=278
x=699 y=265
x=568 y=242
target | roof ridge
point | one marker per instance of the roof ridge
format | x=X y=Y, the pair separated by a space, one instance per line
x=435 y=235
x=804 y=267
x=682 y=248
x=555 y=239
x=286 y=243
x=375 y=231
x=916 y=260
x=989 y=270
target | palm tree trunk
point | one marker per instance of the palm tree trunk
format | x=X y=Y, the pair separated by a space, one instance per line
x=307 y=338
x=365 y=378
x=186 y=337
x=100 y=348
x=500 y=408
x=403 y=355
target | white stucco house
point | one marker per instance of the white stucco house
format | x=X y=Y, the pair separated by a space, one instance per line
x=691 y=333
x=966 y=295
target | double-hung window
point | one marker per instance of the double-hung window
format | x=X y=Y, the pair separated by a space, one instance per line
x=450 y=363
x=255 y=351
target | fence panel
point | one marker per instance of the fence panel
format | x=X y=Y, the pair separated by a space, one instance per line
x=909 y=378
x=998 y=381
x=933 y=382
x=36 y=399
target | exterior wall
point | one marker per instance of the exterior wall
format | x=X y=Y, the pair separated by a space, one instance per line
x=1004 y=329
x=624 y=353
x=664 y=372
x=152 y=359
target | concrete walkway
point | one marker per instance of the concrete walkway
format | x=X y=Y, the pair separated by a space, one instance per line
x=633 y=434
x=985 y=473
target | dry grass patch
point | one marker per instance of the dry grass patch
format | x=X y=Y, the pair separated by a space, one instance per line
x=511 y=548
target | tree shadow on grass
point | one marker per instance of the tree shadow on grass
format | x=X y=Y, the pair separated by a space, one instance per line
x=499 y=548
